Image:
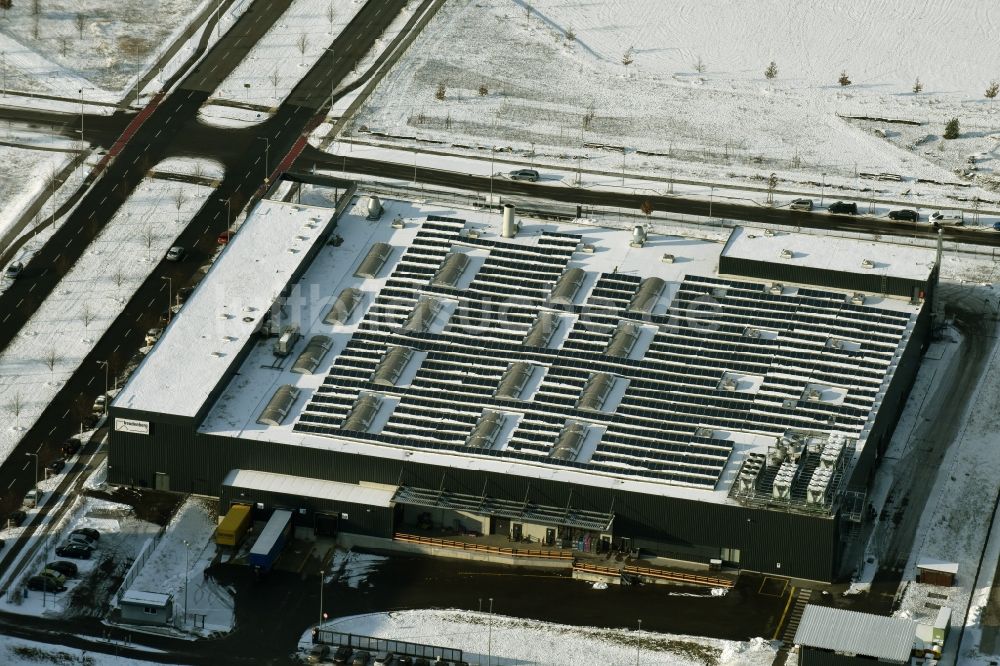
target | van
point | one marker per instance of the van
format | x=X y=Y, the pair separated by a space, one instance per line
x=947 y=218
x=32 y=498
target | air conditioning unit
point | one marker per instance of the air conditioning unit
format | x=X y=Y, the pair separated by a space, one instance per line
x=858 y=299
x=728 y=384
x=769 y=233
x=667 y=259
x=397 y=222
x=787 y=254
x=813 y=395
x=836 y=344
x=867 y=263
x=752 y=333
x=781 y=489
x=776 y=289
x=745 y=483
x=789 y=403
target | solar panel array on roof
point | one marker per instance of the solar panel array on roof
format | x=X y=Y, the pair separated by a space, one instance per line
x=663 y=427
x=374 y=261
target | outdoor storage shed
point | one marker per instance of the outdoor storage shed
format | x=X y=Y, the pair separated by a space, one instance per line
x=834 y=636
x=139 y=607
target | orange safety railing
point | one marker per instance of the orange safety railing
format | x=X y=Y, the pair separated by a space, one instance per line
x=482 y=548
x=662 y=574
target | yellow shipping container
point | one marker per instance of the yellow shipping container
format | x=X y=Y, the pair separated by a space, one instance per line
x=232 y=528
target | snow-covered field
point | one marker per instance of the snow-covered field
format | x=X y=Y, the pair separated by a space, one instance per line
x=86 y=301
x=188 y=544
x=726 y=122
x=515 y=641
x=23 y=178
x=276 y=63
x=19 y=652
x=99 y=46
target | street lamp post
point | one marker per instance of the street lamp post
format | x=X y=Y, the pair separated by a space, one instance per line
x=35 y=455
x=489 y=638
x=170 y=295
x=637 y=644
x=267 y=159
x=333 y=78
x=321 y=574
x=711 y=195
x=187 y=566
x=105 y=364
x=822 y=187
x=81 y=114
x=229 y=212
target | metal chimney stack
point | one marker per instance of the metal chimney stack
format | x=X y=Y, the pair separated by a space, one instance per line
x=508 y=228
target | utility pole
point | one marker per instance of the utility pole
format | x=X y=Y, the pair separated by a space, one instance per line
x=105 y=364
x=187 y=566
x=267 y=159
x=321 y=574
x=81 y=114
x=822 y=185
x=36 y=475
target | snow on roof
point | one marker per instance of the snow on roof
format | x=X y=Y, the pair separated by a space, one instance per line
x=602 y=250
x=889 y=638
x=140 y=598
x=934 y=564
x=307 y=487
x=220 y=317
x=831 y=253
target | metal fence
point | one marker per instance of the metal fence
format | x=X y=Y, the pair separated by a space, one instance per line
x=373 y=644
x=140 y=560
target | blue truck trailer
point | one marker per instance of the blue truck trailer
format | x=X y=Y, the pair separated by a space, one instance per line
x=271 y=541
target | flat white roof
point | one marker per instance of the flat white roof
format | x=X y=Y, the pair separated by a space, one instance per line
x=934 y=564
x=235 y=412
x=307 y=487
x=139 y=597
x=222 y=314
x=832 y=253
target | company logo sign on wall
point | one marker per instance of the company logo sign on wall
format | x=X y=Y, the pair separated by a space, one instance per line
x=133 y=426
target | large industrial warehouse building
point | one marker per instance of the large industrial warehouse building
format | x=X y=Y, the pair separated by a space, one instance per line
x=585 y=386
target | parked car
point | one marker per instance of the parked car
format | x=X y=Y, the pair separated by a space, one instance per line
x=949 y=218
x=904 y=214
x=13 y=270
x=55 y=576
x=56 y=466
x=2 y=544
x=74 y=551
x=360 y=658
x=383 y=659
x=44 y=583
x=342 y=654
x=89 y=532
x=996 y=226
x=67 y=569
x=529 y=175
x=843 y=208
x=176 y=253
x=183 y=293
x=70 y=447
x=32 y=498
x=318 y=653
x=802 y=204
x=17 y=518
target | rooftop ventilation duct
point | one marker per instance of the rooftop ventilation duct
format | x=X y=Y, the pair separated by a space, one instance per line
x=279 y=405
x=391 y=367
x=647 y=295
x=508 y=227
x=363 y=413
x=566 y=288
x=638 y=236
x=374 y=261
x=344 y=306
x=315 y=350
x=514 y=381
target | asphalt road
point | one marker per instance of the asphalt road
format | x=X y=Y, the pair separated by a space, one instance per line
x=503 y=186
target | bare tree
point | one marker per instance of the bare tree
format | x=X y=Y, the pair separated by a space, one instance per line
x=918 y=87
x=629 y=56
x=81 y=23
x=844 y=80
x=699 y=65
x=63 y=45
x=179 y=199
x=15 y=406
x=440 y=93
x=118 y=277
x=303 y=44
x=36 y=7
x=772 y=71
x=570 y=35
x=483 y=90
x=331 y=15
x=87 y=315
x=5 y=5
x=148 y=236
x=992 y=91
x=527 y=13
x=646 y=208
x=51 y=358
x=275 y=79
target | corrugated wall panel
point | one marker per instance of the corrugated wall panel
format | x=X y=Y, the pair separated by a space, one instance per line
x=868 y=282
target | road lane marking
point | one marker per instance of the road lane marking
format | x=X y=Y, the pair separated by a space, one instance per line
x=91 y=381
